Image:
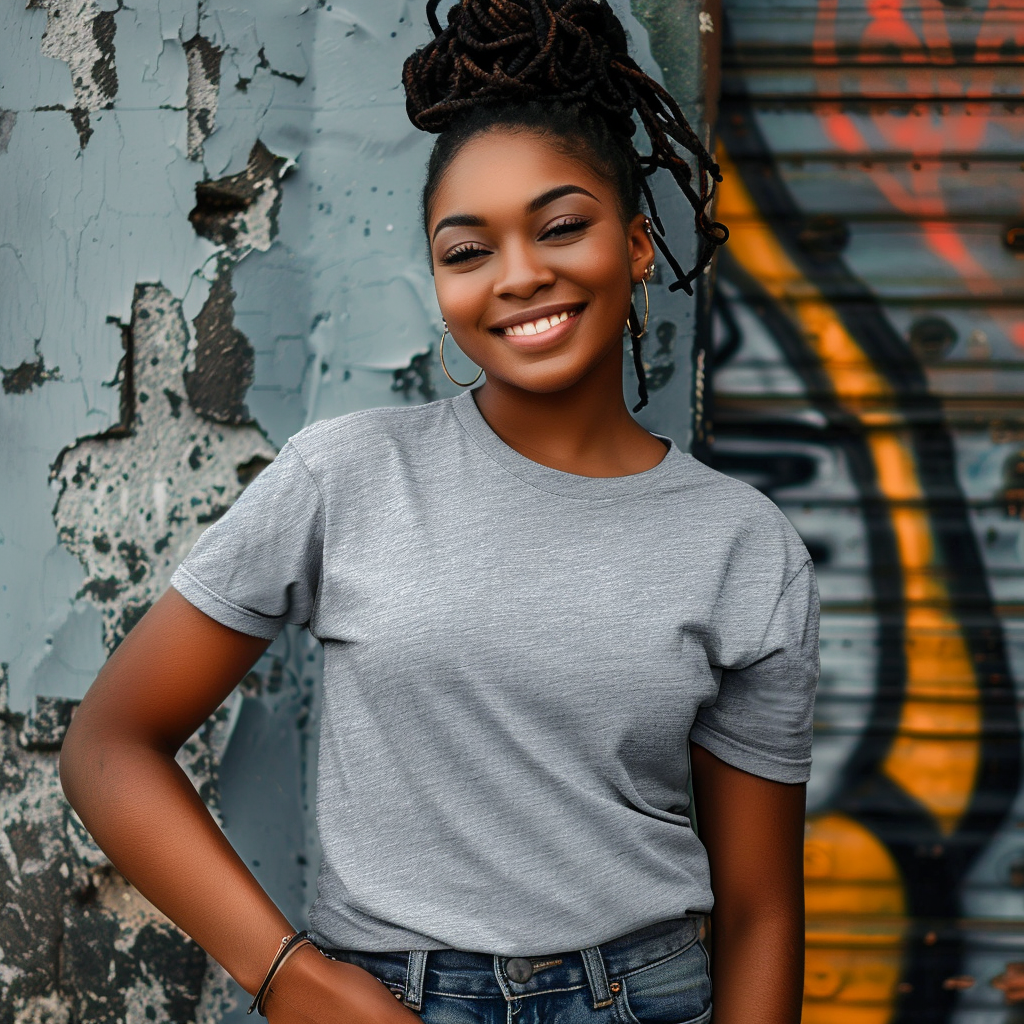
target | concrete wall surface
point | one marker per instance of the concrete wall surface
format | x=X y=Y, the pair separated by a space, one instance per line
x=210 y=238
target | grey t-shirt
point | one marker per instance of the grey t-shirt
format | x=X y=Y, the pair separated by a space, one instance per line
x=514 y=658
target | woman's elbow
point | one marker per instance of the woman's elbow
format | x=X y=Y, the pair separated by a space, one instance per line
x=73 y=760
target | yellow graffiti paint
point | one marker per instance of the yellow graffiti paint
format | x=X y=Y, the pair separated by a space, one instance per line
x=856 y=924
x=856 y=914
x=937 y=750
x=936 y=753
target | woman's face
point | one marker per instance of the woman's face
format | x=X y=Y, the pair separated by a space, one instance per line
x=533 y=265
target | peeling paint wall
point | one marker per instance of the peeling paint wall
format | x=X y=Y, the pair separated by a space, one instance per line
x=215 y=241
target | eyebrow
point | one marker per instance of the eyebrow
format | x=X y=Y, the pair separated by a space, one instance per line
x=469 y=220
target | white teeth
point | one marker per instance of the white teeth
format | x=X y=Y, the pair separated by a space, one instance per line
x=545 y=323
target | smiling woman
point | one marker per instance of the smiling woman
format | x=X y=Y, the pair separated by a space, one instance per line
x=523 y=233
x=535 y=614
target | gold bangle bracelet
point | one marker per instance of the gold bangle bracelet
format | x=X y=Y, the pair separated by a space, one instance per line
x=288 y=946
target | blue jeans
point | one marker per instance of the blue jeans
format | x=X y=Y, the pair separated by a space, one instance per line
x=657 y=975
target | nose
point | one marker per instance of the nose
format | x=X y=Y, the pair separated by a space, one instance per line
x=522 y=270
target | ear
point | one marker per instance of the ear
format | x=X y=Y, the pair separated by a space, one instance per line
x=641 y=247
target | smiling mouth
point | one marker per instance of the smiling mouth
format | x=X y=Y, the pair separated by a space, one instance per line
x=540 y=326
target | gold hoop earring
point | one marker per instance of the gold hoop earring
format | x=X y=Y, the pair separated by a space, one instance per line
x=445 y=368
x=633 y=318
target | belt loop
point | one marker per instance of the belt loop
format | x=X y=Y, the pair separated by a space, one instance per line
x=593 y=961
x=414 y=979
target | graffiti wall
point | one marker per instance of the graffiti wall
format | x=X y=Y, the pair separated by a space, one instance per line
x=866 y=358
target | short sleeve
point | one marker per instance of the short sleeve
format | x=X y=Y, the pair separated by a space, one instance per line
x=761 y=720
x=258 y=566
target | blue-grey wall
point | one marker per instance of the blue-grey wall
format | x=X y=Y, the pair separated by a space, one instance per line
x=210 y=239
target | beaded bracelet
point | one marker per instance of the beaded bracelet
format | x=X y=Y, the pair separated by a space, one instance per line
x=288 y=945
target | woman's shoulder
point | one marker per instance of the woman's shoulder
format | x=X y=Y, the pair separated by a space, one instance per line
x=738 y=510
x=733 y=496
x=366 y=435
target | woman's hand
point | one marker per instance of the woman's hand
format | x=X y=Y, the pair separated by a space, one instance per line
x=310 y=988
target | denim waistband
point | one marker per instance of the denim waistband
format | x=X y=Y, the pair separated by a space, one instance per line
x=412 y=973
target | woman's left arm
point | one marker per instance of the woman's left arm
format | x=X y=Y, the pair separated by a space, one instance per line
x=753 y=830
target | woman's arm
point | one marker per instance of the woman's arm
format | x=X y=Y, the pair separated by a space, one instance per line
x=118 y=771
x=753 y=830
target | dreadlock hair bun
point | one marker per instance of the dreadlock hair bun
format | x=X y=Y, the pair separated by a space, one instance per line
x=518 y=49
x=502 y=53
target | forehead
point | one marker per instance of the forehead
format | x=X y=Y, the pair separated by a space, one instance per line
x=499 y=171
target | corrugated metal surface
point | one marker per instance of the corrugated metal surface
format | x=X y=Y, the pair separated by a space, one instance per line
x=868 y=332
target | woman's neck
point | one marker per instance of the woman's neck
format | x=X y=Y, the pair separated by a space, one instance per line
x=586 y=429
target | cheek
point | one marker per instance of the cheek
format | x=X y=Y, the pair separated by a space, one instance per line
x=462 y=298
x=604 y=275
x=602 y=264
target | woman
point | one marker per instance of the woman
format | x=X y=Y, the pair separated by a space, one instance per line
x=529 y=605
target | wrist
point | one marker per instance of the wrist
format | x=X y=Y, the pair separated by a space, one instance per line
x=258 y=945
x=290 y=944
x=300 y=979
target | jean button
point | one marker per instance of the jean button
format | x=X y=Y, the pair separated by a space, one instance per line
x=519 y=969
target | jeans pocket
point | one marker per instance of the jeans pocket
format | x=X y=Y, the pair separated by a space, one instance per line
x=673 y=990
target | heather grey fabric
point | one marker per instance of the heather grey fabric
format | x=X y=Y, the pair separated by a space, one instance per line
x=514 y=660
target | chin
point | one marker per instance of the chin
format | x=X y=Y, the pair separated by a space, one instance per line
x=539 y=383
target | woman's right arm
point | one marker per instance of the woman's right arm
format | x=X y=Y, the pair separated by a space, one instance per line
x=119 y=773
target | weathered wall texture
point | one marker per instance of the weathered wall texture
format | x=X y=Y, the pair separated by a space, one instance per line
x=868 y=374
x=210 y=237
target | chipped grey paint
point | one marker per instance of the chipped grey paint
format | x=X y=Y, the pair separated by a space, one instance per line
x=78 y=942
x=203 y=81
x=19 y=379
x=216 y=241
x=133 y=500
x=81 y=33
x=8 y=119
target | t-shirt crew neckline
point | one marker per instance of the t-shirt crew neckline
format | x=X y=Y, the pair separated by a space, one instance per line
x=556 y=481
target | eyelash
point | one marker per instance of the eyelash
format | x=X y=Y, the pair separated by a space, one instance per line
x=467 y=252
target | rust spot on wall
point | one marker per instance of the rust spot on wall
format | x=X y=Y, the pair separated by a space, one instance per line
x=958 y=983
x=1013 y=238
x=1011 y=982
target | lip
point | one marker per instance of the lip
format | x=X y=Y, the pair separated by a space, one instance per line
x=529 y=315
x=548 y=339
